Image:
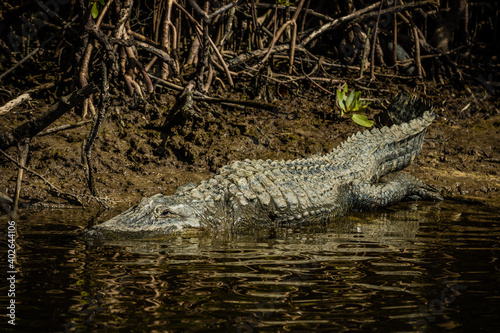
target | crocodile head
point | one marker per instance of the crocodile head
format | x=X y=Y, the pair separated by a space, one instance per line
x=156 y=215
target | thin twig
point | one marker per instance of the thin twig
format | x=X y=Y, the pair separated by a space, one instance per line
x=395 y=41
x=414 y=31
x=374 y=43
x=63 y=128
x=167 y=42
x=363 y=57
x=53 y=187
x=149 y=48
x=280 y=32
x=293 y=42
x=24 y=147
x=417 y=52
x=249 y=103
x=212 y=44
x=224 y=9
x=256 y=24
x=197 y=96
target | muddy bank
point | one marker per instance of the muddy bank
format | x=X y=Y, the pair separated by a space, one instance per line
x=138 y=154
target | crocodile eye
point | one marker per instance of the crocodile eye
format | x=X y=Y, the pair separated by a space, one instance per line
x=164 y=212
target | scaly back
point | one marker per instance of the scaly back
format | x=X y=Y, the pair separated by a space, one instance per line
x=380 y=151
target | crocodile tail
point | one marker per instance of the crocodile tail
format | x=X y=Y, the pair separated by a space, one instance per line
x=403 y=109
x=385 y=150
x=402 y=144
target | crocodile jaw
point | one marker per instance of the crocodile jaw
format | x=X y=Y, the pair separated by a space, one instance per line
x=156 y=215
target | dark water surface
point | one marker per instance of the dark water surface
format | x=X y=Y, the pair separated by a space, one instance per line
x=413 y=267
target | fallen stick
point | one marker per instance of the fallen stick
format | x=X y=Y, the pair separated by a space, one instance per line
x=24 y=97
x=250 y=103
x=15 y=102
x=33 y=127
x=63 y=127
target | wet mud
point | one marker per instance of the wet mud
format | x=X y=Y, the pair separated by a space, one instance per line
x=143 y=150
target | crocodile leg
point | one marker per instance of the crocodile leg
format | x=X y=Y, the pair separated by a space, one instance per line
x=390 y=189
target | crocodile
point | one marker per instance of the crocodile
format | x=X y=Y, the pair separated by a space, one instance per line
x=362 y=173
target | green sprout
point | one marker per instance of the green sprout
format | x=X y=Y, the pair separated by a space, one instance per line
x=285 y=3
x=351 y=103
x=95 y=7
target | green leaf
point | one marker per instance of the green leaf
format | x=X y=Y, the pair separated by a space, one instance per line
x=349 y=101
x=362 y=120
x=340 y=101
x=342 y=108
x=357 y=97
x=338 y=95
x=357 y=106
x=94 y=11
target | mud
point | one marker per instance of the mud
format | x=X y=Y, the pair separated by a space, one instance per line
x=140 y=153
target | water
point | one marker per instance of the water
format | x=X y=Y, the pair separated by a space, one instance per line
x=413 y=267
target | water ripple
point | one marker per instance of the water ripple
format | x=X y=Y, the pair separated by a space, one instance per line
x=407 y=268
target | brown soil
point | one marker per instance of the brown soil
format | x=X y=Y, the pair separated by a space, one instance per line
x=135 y=157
